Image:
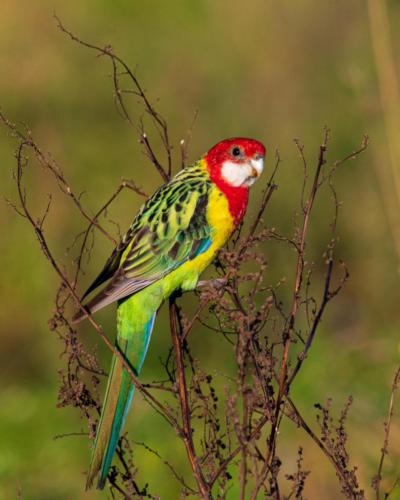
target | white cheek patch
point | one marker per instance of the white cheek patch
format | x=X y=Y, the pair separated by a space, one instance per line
x=235 y=174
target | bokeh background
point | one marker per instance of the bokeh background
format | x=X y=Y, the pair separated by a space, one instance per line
x=273 y=70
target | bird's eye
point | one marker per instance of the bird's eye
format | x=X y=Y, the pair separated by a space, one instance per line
x=236 y=151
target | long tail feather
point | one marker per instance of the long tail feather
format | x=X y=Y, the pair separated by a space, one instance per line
x=117 y=401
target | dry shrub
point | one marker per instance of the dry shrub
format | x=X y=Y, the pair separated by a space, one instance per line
x=231 y=430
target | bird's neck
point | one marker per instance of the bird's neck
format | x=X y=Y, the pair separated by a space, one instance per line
x=237 y=197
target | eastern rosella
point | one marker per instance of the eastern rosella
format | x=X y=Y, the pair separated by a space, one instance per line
x=173 y=238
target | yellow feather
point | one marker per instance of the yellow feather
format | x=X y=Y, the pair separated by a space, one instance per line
x=221 y=221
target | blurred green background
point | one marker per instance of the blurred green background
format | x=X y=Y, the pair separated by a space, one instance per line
x=272 y=70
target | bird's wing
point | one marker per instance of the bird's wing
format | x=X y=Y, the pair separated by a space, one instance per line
x=113 y=262
x=170 y=229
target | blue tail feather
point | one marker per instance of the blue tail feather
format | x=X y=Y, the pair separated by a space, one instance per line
x=119 y=394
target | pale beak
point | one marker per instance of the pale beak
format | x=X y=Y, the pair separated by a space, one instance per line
x=254 y=172
x=257 y=166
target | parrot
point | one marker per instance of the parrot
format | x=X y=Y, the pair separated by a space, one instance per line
x=173 y=238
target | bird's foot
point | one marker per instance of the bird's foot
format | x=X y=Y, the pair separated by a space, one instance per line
x=217 y=283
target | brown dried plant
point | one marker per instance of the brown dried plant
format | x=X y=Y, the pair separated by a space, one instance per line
x=230 y=430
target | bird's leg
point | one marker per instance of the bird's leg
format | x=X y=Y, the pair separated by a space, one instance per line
x=217 y=283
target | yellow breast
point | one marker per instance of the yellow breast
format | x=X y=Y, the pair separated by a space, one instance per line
x=222 y=224
x=219 y=217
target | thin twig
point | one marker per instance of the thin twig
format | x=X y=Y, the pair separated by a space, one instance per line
x=184 y=401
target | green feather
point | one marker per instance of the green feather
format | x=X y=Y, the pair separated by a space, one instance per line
x=133 y=343
x=170 y=229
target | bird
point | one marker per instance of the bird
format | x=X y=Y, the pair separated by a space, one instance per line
x=173 y=238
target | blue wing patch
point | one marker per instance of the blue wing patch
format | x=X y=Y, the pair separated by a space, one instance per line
x=200 y=248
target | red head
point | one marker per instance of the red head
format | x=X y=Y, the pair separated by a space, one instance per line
x=234 y=165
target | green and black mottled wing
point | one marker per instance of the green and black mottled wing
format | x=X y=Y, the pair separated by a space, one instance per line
x=170 y=229
x=111 y=265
